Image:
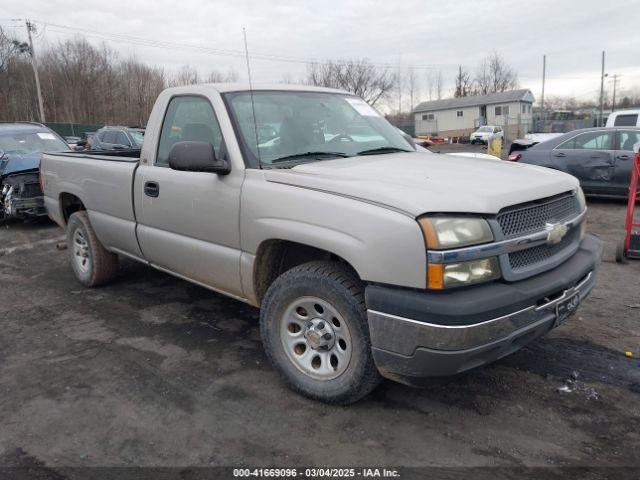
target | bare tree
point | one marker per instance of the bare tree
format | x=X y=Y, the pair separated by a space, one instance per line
x=216 y=76
x=438 y=85
x=494 y=75
x=187 y=75
x=463 y=83
x=435 y=84
x=358 y=77
x=429 y=82
x=411 y=81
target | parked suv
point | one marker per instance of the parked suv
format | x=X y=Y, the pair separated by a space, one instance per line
x=118 y=138
x=483 y=133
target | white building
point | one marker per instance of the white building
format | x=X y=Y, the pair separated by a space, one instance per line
x=454 y=117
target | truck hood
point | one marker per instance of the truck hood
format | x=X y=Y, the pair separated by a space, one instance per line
x=420 y=182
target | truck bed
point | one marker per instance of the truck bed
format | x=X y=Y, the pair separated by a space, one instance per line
x=103 y=182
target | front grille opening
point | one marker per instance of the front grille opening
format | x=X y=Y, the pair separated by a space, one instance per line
x=532 y=217
x=525 y=259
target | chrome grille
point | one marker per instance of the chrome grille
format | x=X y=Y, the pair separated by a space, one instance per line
x=532 y=217
x=537 y=255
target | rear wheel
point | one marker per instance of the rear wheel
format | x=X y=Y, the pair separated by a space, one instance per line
x=315 y=332
x=92 y=263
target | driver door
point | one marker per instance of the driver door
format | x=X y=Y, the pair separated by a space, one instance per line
x=188 y=222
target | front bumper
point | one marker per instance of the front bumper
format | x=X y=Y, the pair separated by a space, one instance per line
x=417 y=334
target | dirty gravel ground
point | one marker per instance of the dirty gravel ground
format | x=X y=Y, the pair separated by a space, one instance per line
x=152 y=370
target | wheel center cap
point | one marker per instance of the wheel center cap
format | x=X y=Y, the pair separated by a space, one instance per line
x=319 y=334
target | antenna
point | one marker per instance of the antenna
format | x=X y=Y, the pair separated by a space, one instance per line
x=253 y=108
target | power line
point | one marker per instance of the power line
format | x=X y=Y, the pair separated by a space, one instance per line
x=141 y=41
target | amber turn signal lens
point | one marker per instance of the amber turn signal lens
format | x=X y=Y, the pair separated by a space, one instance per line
x=435 y=276
x=430 y=235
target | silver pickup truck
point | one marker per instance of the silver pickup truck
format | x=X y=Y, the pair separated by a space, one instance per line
x=367 y=258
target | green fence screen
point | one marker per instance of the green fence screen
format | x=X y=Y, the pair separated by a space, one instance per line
x=72 y=129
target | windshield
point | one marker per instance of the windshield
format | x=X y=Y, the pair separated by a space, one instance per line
x=309 y=126
x=485 y=129
x=27 y=143
x=137 y=136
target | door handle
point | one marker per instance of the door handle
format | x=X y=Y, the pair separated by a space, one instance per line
x=151 y=189
x=623 y=157
x=559 y=154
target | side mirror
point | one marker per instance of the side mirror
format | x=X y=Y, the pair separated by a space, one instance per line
x=636 y=148
x=195 y=156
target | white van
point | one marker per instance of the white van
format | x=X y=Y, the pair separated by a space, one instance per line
x=624 y=118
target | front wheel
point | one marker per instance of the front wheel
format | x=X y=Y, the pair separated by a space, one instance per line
x=314 y=328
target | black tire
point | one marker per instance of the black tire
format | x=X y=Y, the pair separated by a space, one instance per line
x=620 y=253
x=473 y=142
x=102 y=265
x=337 y=285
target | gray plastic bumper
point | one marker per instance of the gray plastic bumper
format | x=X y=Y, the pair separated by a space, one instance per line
x=446 y=333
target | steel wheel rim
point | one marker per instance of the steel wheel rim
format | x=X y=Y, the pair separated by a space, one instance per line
x=319 y=358
x=81 y=254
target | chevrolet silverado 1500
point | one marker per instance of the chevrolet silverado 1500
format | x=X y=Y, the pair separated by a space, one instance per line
x=367 y=258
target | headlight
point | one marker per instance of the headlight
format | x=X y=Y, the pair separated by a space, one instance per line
x=449 y=275
x=582 y=201
x=454 y=232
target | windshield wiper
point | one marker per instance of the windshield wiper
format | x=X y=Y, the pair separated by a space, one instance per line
x=309 y=154
x=374 y=151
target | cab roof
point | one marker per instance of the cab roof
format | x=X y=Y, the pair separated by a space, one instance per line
x=244 y=87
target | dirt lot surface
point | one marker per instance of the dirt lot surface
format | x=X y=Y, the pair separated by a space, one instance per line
x=152 y=370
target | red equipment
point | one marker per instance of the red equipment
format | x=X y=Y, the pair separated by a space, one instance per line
x=629 y=246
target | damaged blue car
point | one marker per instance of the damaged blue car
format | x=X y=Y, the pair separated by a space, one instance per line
x=21 y=146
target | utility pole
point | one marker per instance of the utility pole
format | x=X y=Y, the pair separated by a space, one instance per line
x=602 y=92
x=32 y=53
x=544 y=75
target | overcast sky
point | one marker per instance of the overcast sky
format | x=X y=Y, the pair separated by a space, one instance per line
x=572 y=33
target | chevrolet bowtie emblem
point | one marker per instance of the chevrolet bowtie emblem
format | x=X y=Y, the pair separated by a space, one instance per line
x=555 y=232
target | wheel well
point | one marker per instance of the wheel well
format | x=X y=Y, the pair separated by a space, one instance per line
x=274 y=257
x=70 y=204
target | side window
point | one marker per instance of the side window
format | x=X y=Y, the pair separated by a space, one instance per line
x=625 y=121
x=109 y=136
x=568 y=145
x=593 y=141
x=627 y=139
x=498 y=111
x=188 y=118
x=121 y=139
